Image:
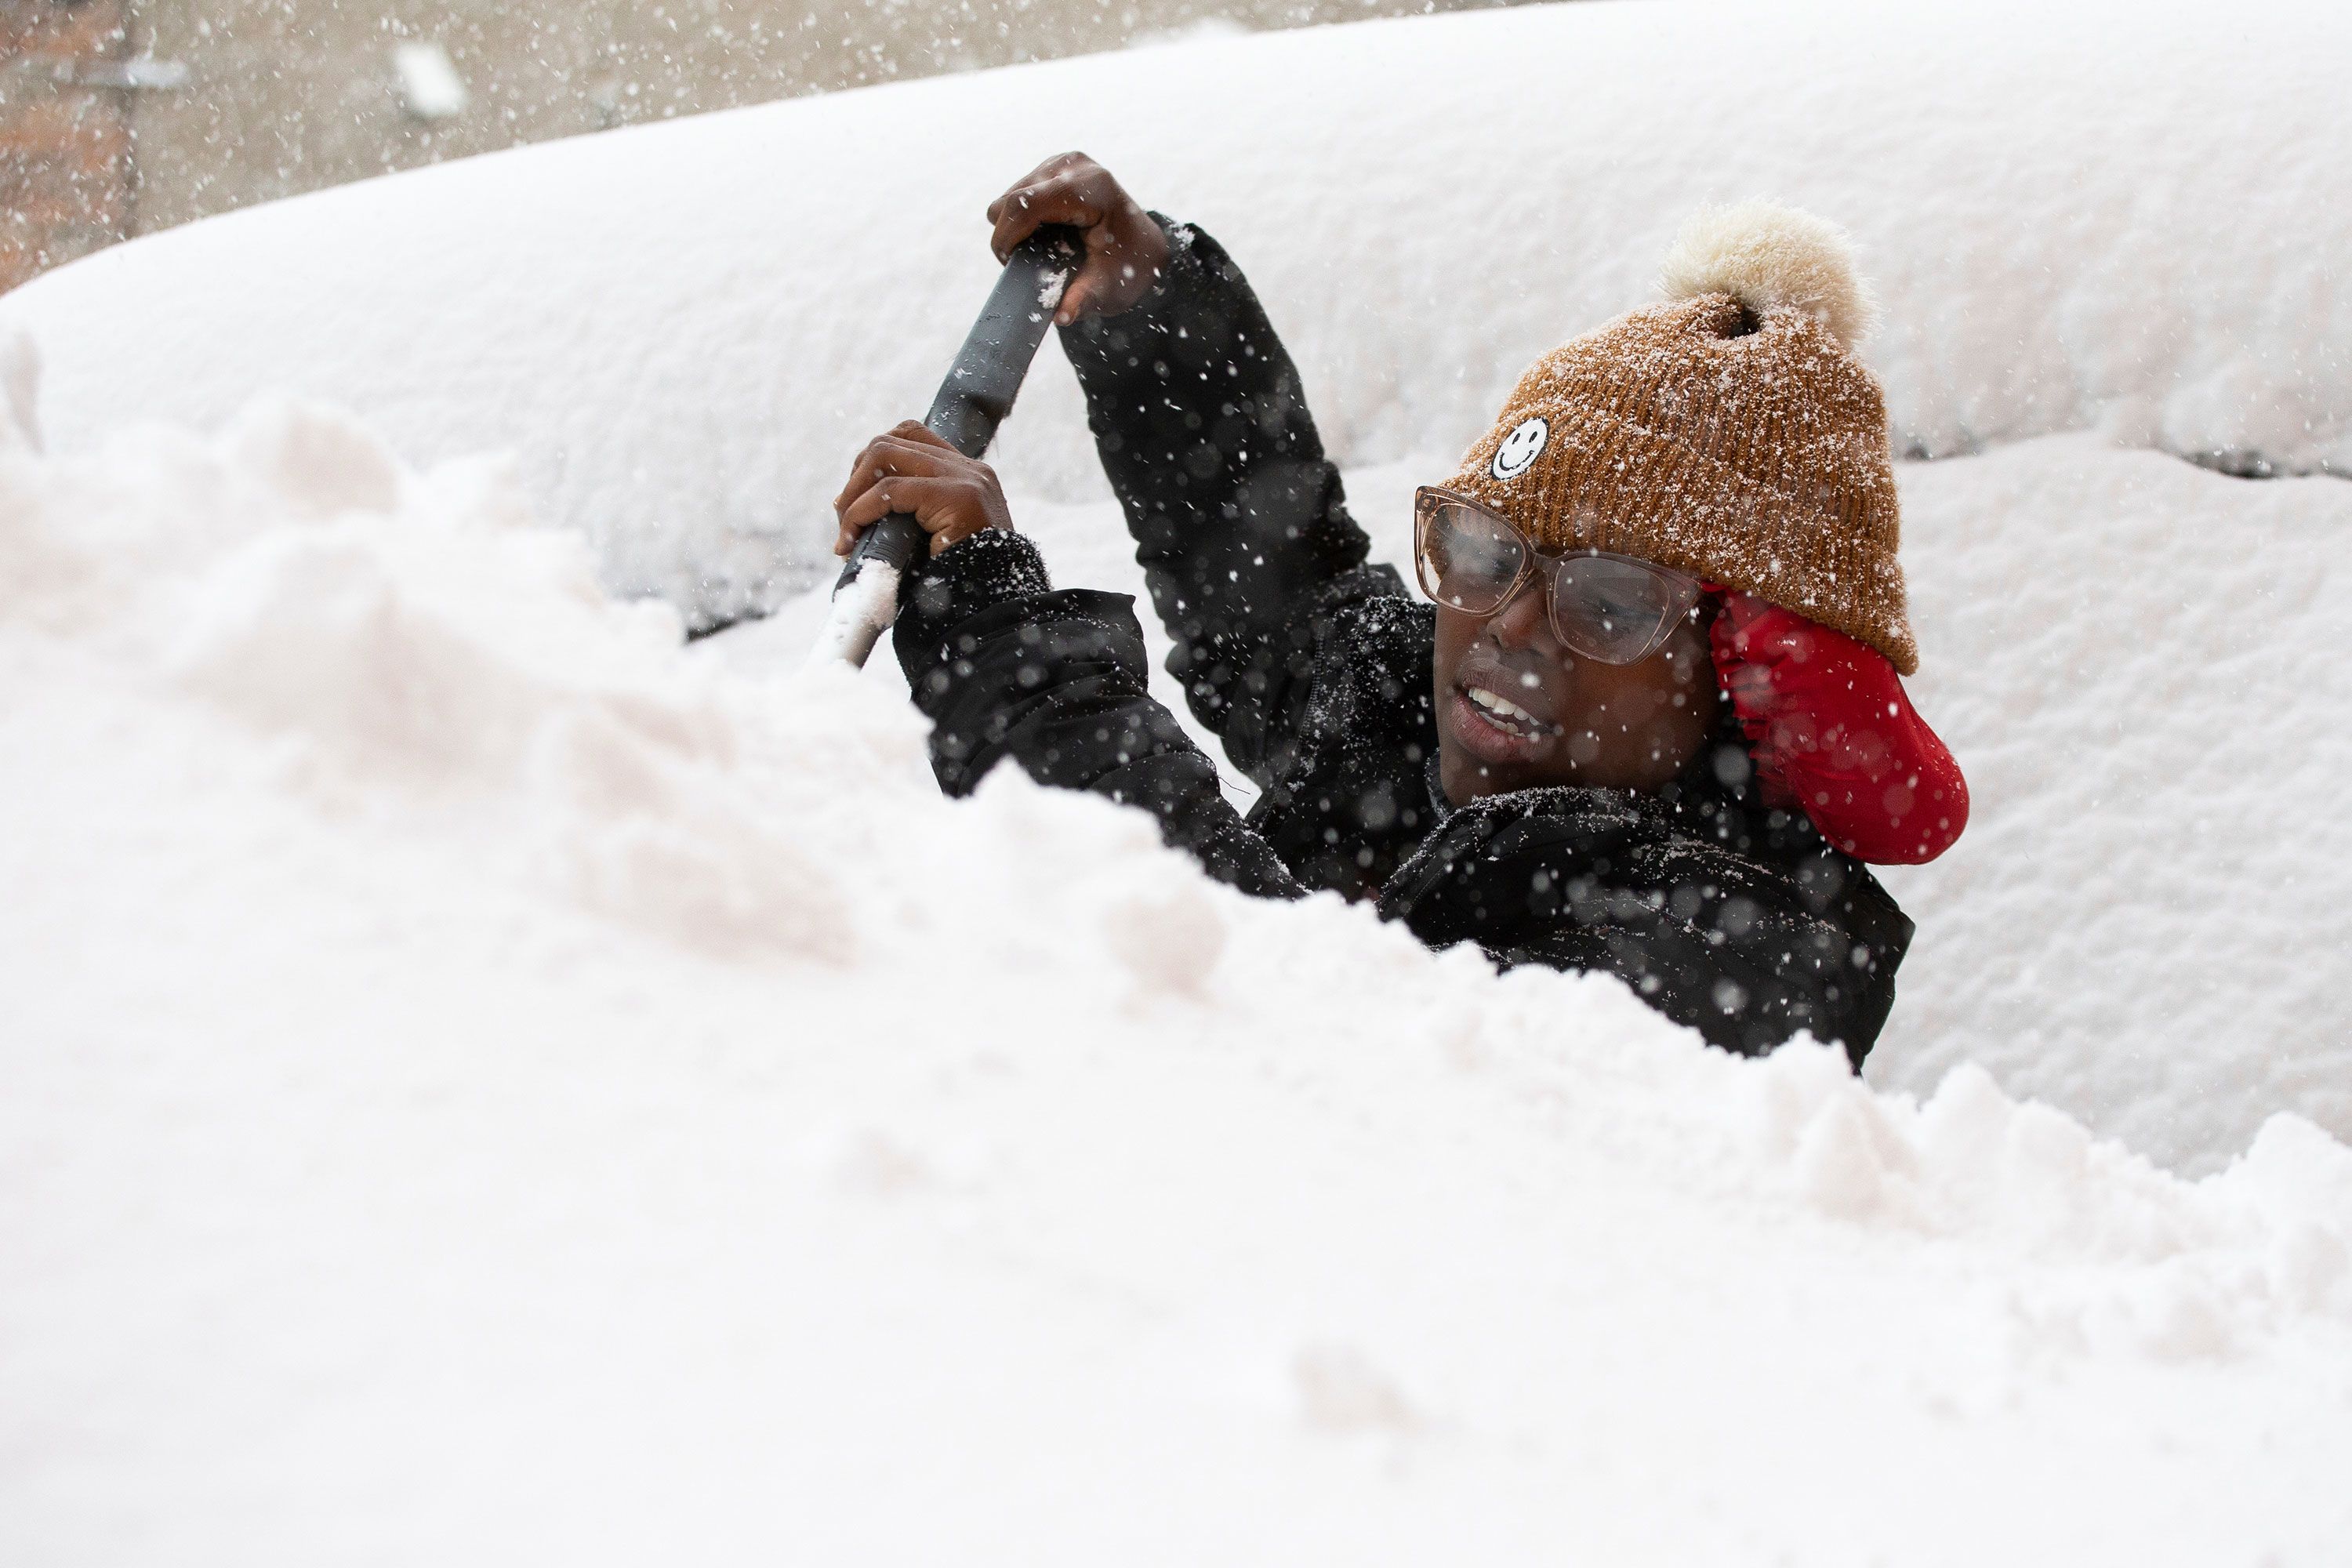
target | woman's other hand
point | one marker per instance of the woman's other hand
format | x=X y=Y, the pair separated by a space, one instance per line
x=1833 y=733
x=910 y=469
x=1125 y=248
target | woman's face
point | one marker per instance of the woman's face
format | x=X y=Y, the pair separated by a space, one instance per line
x=1516 y=711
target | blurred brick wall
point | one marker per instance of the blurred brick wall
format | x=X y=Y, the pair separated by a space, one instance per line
x=216 y=104
x=65 y=147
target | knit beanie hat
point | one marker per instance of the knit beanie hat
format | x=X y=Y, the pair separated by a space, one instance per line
x=1730 y=433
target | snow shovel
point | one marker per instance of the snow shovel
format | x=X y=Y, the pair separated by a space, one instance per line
x=973 y=400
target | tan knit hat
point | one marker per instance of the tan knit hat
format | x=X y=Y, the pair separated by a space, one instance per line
x=1731 y=432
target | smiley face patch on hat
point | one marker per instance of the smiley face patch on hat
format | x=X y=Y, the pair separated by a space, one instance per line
x=1521 y=448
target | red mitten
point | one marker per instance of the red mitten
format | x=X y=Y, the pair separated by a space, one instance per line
x=1832 y=732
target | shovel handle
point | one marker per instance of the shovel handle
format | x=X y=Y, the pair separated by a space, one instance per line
x=972 y=403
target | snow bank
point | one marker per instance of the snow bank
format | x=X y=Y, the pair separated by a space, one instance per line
x=2139 y=663
x=486 y=1081
x=2110 y=214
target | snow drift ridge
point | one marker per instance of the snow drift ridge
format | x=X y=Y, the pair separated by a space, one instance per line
x=509 y=1011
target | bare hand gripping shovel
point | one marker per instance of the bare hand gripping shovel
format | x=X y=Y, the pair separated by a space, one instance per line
x=973 y=400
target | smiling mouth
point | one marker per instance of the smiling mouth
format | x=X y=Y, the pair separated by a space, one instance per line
x=1507 y=715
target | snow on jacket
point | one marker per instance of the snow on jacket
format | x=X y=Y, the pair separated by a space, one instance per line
x=1313 y=668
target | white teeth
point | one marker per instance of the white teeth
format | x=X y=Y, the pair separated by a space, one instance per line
x=1503 y=708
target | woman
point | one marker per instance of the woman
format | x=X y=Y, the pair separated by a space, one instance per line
x=1650 y=723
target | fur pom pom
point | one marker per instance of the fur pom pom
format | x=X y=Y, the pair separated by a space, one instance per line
x=1767 y=256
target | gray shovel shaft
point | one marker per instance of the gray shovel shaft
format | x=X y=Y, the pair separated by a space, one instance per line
x=972 y=401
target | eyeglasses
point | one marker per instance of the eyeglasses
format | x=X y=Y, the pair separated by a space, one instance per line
x=1610 y=608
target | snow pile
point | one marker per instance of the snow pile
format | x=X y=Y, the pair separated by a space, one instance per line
x=486 y=1081
x=2102 y=214
x=2139 y=663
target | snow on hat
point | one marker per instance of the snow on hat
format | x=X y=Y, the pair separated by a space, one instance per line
x=1731 y=432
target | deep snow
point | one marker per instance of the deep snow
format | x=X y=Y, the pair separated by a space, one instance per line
x=487 y=1081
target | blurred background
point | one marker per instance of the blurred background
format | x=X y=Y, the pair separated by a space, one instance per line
x=120 y=117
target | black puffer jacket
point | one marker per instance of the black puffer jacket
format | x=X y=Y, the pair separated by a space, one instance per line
x=1314 y=668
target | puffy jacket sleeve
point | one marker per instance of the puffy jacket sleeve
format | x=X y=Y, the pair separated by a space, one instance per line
x=1239 y=521
x=1006 y=667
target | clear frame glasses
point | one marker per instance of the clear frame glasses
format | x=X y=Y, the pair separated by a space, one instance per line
x=1614 y=609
